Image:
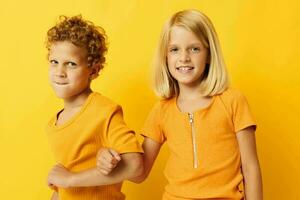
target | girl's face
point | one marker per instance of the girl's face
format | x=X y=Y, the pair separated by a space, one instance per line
x=186 y=57
x=69 y=74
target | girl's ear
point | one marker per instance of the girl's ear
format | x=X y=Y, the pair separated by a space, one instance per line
x=94 y=71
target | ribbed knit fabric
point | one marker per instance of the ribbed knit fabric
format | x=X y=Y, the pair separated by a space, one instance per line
x=209 y=140
x=75 y=144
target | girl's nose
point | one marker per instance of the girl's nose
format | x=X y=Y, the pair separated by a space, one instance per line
x=184 y=56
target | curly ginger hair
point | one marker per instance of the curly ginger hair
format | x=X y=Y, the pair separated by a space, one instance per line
x=81 y=33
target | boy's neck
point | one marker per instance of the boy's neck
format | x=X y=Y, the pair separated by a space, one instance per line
x=77 y=100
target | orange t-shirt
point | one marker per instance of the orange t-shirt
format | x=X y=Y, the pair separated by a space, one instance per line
x=75 y=144
x=204 y=160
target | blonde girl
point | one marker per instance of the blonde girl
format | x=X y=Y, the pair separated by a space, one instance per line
x=207 y=125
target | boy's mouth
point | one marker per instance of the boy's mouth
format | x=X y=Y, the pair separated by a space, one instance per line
x=60 y=83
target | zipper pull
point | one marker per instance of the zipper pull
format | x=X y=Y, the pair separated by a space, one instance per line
x=191 y=118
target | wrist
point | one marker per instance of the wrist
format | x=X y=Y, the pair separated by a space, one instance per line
x=71 y=181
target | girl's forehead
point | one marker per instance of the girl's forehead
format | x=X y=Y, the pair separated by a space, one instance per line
x=180 y=34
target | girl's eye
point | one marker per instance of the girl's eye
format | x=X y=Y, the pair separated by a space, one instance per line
x=195 y=49
x=173 y=50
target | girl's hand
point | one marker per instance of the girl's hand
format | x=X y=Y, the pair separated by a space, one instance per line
x=107 y=160
x=59 y=176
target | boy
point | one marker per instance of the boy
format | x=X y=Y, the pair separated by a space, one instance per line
x=88 y=120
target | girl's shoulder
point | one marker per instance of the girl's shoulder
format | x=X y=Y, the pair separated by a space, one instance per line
x=231 y=98
x=163 y=105
x=231 y=94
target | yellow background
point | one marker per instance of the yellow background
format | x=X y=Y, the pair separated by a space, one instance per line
x=261 y=48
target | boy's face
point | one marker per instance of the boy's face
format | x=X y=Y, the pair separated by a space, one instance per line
x=69 y=74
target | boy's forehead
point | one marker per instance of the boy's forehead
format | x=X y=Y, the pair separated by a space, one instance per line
x=66 y=48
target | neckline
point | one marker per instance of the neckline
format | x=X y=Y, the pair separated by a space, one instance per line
x=196 y=111
x=75 y=116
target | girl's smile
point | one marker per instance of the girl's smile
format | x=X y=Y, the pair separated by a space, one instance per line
x=187 y=56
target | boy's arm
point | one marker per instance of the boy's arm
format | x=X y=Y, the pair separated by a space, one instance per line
x=130 y=166
x=54 y=196
x=250 y=164
x=108 y=159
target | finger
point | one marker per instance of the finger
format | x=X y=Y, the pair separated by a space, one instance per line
x=106 y=164
x=106 y=155
x=101 y=151
x=107 y=158
x=115 y=154
x=60 y=165
x=105 y=172
x=51 y=186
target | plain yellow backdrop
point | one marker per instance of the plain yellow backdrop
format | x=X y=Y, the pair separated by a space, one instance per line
x=261 y=47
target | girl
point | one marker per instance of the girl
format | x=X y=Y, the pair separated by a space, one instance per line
x=207 y=125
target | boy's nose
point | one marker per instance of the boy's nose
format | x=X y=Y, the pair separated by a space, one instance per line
x=60 y=71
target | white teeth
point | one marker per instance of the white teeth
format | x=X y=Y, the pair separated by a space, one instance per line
x=185 y=68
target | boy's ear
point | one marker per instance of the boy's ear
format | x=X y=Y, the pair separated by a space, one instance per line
x=94 y=71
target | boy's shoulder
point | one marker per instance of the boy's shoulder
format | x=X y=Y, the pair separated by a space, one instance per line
x=103 y=103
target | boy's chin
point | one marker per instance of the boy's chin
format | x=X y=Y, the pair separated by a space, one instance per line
x=62 y=95
x=67 y=95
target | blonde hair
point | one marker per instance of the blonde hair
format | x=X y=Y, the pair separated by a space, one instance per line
x=215 y=79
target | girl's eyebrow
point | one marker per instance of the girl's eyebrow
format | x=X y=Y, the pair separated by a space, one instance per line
x=192 y=44
x=195 y=44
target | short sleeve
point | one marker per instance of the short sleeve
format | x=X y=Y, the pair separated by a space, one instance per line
x=119 y=136
x=152 y=127
x=242 y=116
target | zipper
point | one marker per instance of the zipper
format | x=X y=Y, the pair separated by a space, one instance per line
x=191 y=120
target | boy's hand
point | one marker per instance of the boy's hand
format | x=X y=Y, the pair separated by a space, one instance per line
x=59 y=176
x=107 y=160
x=53 y=187
x=55 y=196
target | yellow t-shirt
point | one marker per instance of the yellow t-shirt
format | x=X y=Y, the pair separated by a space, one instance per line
x=99 y=123
x=204 y=160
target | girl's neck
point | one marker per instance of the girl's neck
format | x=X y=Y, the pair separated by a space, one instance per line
x=191 y=99
x=190 y=92
x=77 y=100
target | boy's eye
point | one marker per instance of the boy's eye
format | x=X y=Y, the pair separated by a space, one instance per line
x=54 y=62
x=71 y=64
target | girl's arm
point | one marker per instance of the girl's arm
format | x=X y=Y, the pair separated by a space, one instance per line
x=250 y=164
x=108 y=159
x=130 y=166
x=151 y=149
